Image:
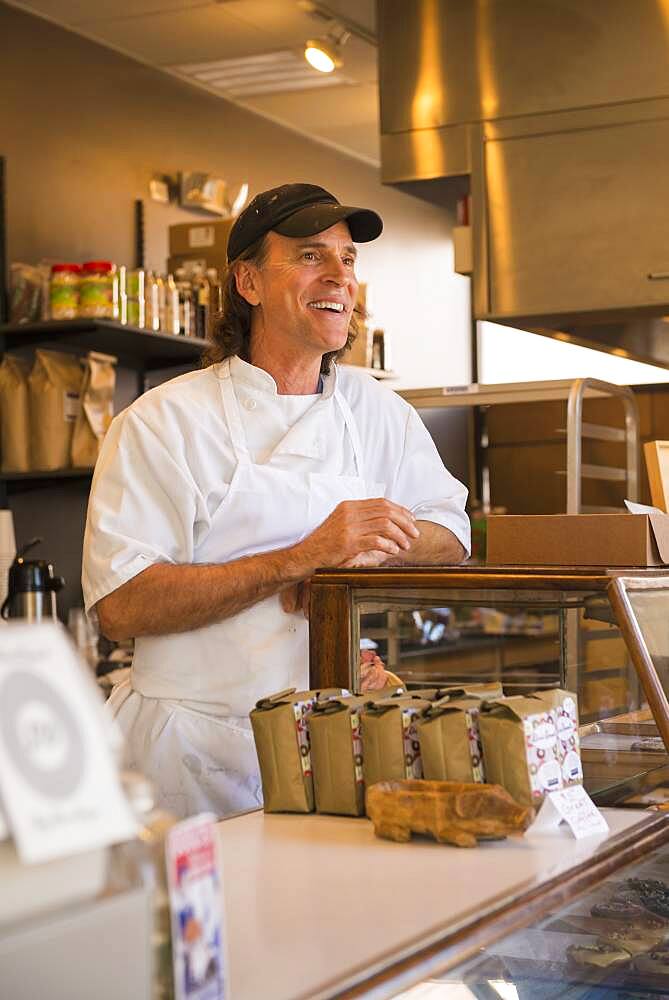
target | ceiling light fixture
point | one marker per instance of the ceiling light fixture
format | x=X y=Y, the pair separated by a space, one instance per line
x=324 y=53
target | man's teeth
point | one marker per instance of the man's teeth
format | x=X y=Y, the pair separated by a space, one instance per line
x=335 y=306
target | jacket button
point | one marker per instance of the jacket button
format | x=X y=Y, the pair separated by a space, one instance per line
x=250 y=404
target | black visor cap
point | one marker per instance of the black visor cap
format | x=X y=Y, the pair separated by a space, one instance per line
x=297 y=210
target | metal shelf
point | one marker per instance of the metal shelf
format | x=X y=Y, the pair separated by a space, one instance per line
x=19 y=482
x=134 y=348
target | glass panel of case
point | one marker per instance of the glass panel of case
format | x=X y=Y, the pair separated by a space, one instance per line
x=610 y=944
x=527 y=641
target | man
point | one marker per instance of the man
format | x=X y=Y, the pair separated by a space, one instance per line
x=218 y=494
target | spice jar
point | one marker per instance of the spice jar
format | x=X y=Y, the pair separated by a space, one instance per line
x=98 y=293
x=64 y=291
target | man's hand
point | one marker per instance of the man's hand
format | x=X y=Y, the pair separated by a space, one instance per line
x=358 y=527
x=295 y=599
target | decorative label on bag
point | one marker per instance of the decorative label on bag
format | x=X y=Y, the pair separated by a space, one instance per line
x=413 y=765
x=474 y=741
x=71 y=406
x=302 y=710
x=542 y=753
x=356 y=737
x=568 y=742
x=196 y=905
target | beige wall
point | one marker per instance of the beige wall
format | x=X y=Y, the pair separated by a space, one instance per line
x=84 y=128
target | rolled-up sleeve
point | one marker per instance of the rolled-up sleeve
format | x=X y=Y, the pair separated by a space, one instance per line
x=140 y=512
x=424 y=485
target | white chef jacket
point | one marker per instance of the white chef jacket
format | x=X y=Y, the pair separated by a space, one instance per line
x=166 y=464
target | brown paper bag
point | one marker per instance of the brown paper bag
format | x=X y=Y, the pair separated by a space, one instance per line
x=565 y=706
x=336 y=756
x=55 y=386
x=97 y=409
x=520 y=747
x=450 y=741
x=390 y=739
x=14 y=414
x=281 y=736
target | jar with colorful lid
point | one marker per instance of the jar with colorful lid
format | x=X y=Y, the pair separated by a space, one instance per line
x=98 y=293
x=64 y=291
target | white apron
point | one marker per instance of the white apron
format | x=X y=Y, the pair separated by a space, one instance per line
x=184 y=711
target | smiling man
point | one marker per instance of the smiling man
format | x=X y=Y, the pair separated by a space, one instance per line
x=218 y=494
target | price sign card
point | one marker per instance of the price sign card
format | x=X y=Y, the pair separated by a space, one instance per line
x=196 y=903
x=573 y=806
x=59 y=783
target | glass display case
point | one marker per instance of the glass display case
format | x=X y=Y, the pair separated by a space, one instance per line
x=609 y=943
x=603 y=634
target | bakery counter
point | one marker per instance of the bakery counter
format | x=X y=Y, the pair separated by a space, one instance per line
x=317 y=907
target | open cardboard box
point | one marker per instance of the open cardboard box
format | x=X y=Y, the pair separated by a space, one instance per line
x=578 y=539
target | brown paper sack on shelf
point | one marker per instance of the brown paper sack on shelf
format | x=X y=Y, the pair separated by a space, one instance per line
x=55 y=386
x=520 y=747
x=14 y=414
x=96 y=411
x=390 y=739
x=281 y=736
x=336 y=756
x=565 y=706
x=450 y=741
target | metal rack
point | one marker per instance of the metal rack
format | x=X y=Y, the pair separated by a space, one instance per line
x=574 y=391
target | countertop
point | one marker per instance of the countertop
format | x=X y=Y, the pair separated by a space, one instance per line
x=313 y=901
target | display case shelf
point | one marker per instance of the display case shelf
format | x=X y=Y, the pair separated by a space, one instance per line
x=134 y=348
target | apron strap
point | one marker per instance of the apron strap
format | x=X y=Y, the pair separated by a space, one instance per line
x=352 y=428
x=233 y=415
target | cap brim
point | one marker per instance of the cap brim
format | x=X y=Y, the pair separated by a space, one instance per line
x=364 y=224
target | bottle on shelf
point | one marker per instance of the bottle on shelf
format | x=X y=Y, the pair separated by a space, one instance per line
x=151 y=302
x=215 y=299
x=185 y=302
x=171 y=322
x=201 y=297
x=135 y=292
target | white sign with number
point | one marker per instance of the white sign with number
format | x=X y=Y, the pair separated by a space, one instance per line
x=59 y=783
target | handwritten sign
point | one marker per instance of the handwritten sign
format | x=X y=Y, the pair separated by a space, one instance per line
x=573 y=806
x=58 y=780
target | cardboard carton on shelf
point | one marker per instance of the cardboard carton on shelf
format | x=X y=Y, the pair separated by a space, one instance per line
x=578 y=540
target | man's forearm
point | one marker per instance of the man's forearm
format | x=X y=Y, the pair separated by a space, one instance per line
x=435 y=546
x=169 y=598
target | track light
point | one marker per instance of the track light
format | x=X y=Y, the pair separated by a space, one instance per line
x=324 y=53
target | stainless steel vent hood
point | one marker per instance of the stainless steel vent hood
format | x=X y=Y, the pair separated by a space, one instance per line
x=557 y=114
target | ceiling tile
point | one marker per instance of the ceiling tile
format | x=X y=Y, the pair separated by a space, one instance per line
x=335 y=107
x=187 y=36
x=73 y=12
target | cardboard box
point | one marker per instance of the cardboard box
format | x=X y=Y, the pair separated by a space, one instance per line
x=200 y=239
x=578 y=540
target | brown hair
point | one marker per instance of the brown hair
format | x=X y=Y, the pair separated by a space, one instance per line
x=232 y=330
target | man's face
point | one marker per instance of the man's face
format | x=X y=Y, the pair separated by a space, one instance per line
x=307 y=289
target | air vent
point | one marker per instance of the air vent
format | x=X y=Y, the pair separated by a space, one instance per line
x=271 y=73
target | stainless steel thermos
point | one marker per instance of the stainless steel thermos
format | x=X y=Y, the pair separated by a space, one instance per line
x=32 y=588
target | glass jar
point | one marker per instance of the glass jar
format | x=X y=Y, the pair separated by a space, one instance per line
x=64 y=291
x=98 y=295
